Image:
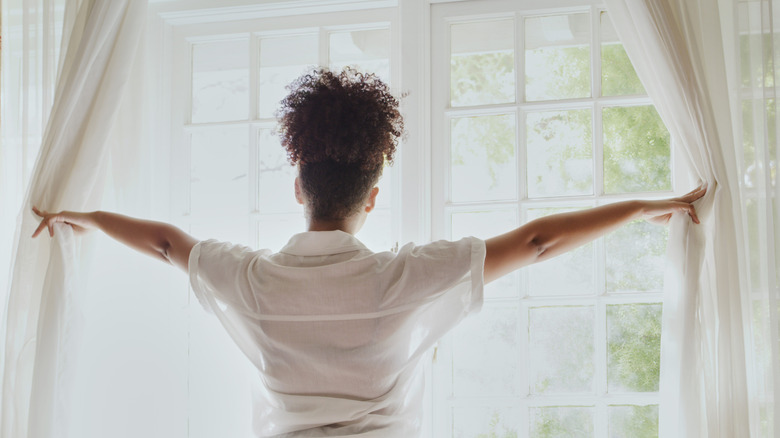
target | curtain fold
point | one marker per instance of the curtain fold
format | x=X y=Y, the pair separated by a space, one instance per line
x=677 y=49
x=42 y=317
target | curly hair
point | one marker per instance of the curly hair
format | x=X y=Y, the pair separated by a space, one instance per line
x=340 y=128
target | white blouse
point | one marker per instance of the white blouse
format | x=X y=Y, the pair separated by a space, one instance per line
x=335 y=330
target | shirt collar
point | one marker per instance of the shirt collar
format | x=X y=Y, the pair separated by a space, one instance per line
x=319 y=243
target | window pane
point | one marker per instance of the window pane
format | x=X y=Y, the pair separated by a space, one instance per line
x=557 y=57
x=483 y=158
x=633 y=347
x=636 y=256
x=618 y=76
x=482 y=63
x=273 y=231
x=545 y=279
x=485 y=422
x=367 y=50
x=282 y=60
x=561 y=349
x=637 y=154
x=220 y=81
x=484 y=225
x=633 y=421
x=276 y=178
x=377 y=233
x=556 y=422
x=234 y=229
x=560 y=153
x=486 y=353
x=219 y=184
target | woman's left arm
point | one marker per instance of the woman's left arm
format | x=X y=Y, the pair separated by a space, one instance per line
x=156 y=239
x=553 y=235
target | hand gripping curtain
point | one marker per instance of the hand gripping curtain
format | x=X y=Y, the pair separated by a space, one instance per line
x=677 y=50
x=42 y=317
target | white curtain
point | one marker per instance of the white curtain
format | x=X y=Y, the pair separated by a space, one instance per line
x=42 y=318
x=754 y=31
x=684 y=52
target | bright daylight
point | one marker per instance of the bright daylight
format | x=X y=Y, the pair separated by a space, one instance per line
x=389 y=218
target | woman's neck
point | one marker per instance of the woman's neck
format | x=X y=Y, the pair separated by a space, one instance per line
x=349 y=225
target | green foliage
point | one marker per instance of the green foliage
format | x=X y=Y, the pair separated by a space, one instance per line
x=480 y=79
x=557 y=73
x=618 y=76
x=562 y=422
x=635 y=257
x=493 y=432
x=633 y=421
x=566 y=137
x=634 y=347
x=637 y=152
x=492 y=135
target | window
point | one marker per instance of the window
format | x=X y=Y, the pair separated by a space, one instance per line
x=538 y=111
x=230 y=176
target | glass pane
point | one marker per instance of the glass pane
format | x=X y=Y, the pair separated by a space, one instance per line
x=482 y=63
x=274 y=231
x=276 y=178
x=558 y=422
x=483 y=158
x=485 y=422
x=486 y=353
x=618 y=76
x=377 y=232
x=234 y=229
x=636 y=256
x=560 y=153
x=557 y=57
x=633 y=421
x=219 y=185
x=567 y=274
x=484 y=225
x=560 y=349
x=220 y=81
x=367 y=50
x=637 y=153
x=385 y=197
x=282 y=60
x=633 y=347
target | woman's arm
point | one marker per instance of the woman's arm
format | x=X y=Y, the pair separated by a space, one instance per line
x=157 y=239
x=553 y=235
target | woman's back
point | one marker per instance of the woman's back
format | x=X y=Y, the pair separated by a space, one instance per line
x=337 y=331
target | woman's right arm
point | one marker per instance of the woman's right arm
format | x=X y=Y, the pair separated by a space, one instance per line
x=156 y=239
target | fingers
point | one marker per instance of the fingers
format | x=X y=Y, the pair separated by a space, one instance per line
x=38 y=230
x=47 y=222
x=694 y=194
x=691 y=210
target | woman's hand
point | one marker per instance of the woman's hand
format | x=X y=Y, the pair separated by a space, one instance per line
x=80 y=222
x=660 y=212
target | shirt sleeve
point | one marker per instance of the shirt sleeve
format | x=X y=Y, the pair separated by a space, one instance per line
x=449 y=273
x=221 y=274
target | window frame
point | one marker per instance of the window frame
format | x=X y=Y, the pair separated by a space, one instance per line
x=442 y=16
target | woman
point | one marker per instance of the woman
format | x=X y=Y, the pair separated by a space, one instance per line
x=337 y=331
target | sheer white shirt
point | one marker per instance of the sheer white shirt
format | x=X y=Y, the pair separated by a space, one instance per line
x=335 y=330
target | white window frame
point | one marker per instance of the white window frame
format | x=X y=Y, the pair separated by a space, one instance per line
x=442 y=15
x=179 y=24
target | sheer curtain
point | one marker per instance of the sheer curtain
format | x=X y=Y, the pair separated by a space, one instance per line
x=43 y=314
x=710 y=383
x=752 y=29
